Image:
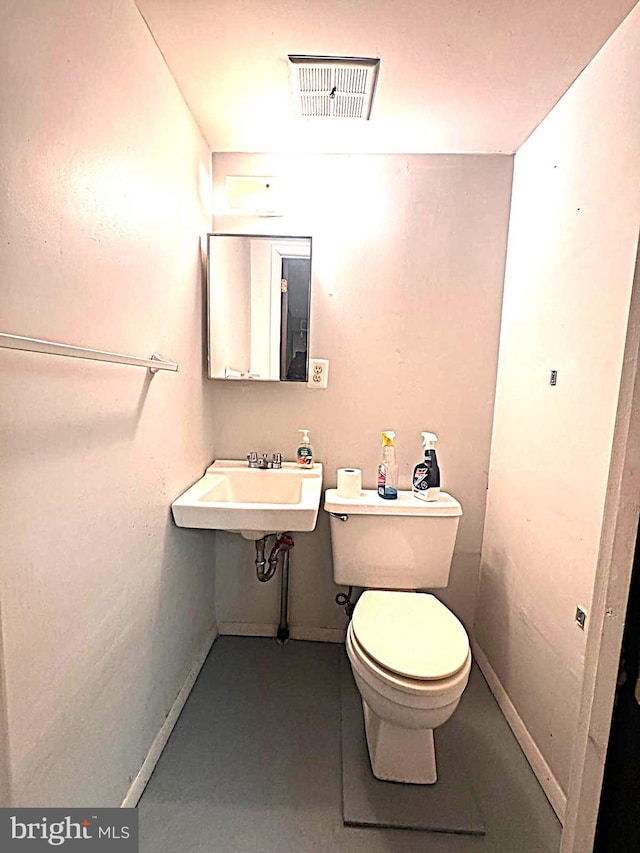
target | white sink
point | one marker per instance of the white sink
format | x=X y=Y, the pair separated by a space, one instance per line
x=251 y=501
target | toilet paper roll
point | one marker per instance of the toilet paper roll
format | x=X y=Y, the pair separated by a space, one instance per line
x=349 y=482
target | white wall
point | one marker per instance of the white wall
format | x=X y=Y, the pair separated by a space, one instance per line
x=105 y=604
x=408 y=262
x=572 y=247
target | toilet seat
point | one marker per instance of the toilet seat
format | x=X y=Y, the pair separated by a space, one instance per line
x=412 y=690
x=410 y=634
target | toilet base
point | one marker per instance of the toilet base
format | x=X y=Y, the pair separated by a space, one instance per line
x=399 y=754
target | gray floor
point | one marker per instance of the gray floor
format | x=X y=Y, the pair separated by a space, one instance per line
x=254 y=765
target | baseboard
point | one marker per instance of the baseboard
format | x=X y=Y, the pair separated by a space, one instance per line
x=257 y=629
x=545 y=777
x=246 y=629
x=319 y=635
x=160 y=741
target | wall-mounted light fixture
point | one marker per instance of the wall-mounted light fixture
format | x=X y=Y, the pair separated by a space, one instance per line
x=254 y=195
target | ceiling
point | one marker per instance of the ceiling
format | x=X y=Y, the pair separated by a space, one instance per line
x=455 y=75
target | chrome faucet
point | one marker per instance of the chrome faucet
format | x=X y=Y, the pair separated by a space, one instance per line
x=263 y=463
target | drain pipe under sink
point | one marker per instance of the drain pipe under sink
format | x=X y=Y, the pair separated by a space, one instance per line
x=283 y=544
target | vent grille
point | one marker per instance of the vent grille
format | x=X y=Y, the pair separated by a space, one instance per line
x=314 y=79
x=351 y=80
x=315 y=105
x=333 y=87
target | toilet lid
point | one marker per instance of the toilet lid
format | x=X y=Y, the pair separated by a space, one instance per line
x=410 y=633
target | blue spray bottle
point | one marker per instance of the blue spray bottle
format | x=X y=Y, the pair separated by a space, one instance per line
x=388 y=468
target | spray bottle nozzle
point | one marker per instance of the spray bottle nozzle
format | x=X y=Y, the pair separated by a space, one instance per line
x=429 y=439
x=388 y=436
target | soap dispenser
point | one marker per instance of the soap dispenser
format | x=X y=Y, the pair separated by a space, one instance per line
x=304 y=454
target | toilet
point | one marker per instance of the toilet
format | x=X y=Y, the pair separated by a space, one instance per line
x=409 y=654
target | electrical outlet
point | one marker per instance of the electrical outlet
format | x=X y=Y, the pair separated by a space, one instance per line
x=581 y=616
x=318 y=373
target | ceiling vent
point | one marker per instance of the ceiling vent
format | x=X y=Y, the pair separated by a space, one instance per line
x=333 y=86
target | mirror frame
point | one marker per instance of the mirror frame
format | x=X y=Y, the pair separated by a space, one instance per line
x=274 y=343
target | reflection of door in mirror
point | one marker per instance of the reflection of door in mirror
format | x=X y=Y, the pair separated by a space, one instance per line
x=294 y=311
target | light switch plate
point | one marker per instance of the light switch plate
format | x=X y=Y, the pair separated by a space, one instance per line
x=318 y=373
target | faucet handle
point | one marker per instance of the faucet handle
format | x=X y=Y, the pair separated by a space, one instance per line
x=252 y=459
x=277 y=460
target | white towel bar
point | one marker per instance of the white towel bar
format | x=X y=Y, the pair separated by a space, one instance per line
x=155 y=363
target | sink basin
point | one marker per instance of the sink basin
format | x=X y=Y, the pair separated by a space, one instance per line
x=252 y=501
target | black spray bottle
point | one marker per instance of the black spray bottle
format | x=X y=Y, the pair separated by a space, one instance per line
x=426 y=475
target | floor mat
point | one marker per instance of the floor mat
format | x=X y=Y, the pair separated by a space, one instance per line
x=447 y=806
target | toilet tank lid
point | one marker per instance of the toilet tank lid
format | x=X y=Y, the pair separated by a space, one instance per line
x=370 y=503
x=410 y=633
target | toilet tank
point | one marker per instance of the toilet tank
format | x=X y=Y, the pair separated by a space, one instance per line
x=392 y=544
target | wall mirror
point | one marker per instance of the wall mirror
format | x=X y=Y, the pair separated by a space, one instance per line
x=259 y=290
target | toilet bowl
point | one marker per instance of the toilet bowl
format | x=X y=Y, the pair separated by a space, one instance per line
x=411 y=661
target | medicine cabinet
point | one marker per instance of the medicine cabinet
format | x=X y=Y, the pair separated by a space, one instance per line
x=259 y=290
